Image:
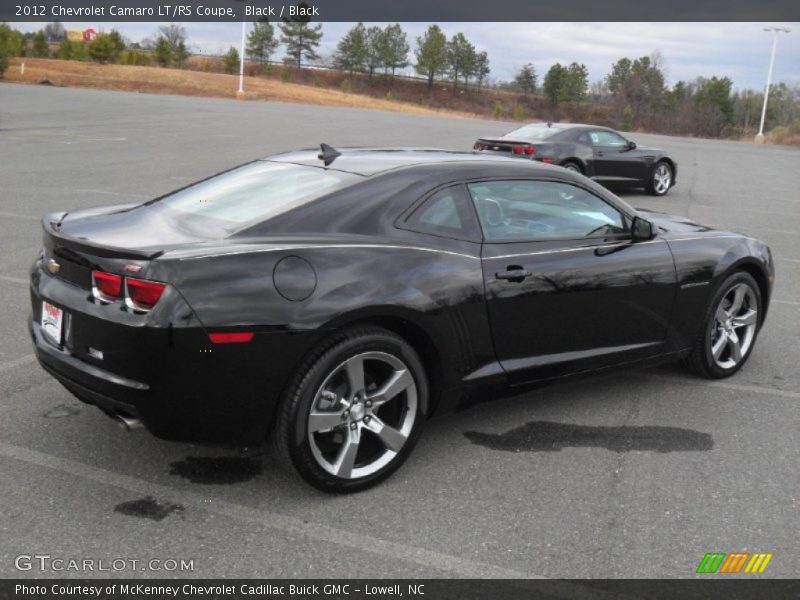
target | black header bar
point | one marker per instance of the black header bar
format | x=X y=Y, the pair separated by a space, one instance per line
x=708 y=588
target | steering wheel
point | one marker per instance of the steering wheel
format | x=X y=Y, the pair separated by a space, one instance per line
x=491 y=212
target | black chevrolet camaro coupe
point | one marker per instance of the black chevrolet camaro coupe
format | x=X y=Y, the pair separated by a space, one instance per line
x=597 y=152
x=332 y=302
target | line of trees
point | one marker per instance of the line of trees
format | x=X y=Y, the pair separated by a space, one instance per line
x=708 y=106
x=633 y=95
x=453 y=59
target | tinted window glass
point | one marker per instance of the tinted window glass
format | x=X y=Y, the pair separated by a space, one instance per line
x=257 y=191
x=445 y=213
x=538 y=131
x=607 y=138
x=542 y=210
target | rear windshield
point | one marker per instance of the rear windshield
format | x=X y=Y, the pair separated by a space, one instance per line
x=534 y=132
x=250 y=194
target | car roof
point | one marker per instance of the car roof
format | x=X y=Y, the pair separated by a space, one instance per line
x=566 y=126
x=374 y=161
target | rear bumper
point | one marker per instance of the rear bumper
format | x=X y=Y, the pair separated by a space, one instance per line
x=208 y=399
x=114 y=395
x=166 y=374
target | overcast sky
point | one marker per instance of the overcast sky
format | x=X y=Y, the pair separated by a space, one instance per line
x=737 y=50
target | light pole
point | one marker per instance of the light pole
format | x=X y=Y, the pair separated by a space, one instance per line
x=776 y=30
x=240 y=93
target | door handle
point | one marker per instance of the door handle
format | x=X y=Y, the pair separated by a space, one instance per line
x=598 y=153
x=514 y=274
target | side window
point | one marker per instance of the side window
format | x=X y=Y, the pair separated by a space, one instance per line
x=607 y=138
x=446 y=213
x=542 y=210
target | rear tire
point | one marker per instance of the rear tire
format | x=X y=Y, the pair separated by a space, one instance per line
x=572 y=166
x=730 y=328
x=353 y=412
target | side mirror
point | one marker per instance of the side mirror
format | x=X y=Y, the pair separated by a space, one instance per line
x=642 y=230
x=631 y=145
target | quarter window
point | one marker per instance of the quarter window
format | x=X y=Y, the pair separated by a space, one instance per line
x=542 y=210
x=446 y=213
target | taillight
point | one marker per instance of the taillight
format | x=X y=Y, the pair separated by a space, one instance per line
x=235 y=337
x=518 y=150
x=143 y=294
x=530 y=150
x=106 y=287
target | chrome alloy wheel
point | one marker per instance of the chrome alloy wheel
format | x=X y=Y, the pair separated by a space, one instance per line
x=362 y=415
x=735 y=324
x=662 y=178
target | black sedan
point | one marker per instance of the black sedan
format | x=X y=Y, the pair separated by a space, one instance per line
x=598 y=152
x=332 y=302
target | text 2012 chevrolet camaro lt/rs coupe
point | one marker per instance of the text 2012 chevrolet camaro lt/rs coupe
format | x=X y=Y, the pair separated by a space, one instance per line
x=332 y=302
x=598 y=152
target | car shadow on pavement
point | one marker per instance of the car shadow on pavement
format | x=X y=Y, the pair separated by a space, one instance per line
x=545 y=436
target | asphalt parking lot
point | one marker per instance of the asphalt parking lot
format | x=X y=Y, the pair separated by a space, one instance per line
x=480 y=496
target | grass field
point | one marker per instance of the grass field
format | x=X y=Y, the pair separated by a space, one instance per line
x=194 y=83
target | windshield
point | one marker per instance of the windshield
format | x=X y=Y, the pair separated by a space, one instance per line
x=537 y=131
x=252 y=193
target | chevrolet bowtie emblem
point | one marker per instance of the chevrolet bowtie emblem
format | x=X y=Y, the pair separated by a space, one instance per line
x=53 y=266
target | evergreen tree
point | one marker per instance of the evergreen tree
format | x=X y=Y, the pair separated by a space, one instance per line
x=301 y=39
x=163 y=52
x=103 y=49
x=375 y=47
x=526 y=79
x=261 y=41
x=180 y=55
x=481 y=68
x=555 y=83
x=41 y=49
x=395 y=48
x=577 y=82
x=431 y=53
x=351 y=52
x=231 y=61
x=458 y=51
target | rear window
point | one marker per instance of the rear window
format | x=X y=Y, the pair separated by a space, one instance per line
x=252 y=193
x=534 y=132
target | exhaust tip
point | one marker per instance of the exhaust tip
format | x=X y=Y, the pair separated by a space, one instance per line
x=129 y=423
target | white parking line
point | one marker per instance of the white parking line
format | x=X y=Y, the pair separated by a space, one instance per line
x=726 y=385
x=110 y=193
x=18 y=216
x=290 y=525
x=789 y=302
x=13 y=279
x=752 y=210
x=17 y=362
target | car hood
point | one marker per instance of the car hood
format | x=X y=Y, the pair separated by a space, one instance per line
x=672 y=223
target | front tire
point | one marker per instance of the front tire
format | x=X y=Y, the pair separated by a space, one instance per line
x=660 y=179
x=729 y=329
x=353 y=412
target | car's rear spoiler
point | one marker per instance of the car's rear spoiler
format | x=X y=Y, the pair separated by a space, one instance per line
x=51 y=225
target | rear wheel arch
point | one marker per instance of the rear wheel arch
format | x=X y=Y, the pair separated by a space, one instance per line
x=575 y=162
x=415 y=336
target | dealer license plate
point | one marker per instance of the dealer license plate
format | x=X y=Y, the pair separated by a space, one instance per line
x=52 y=322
